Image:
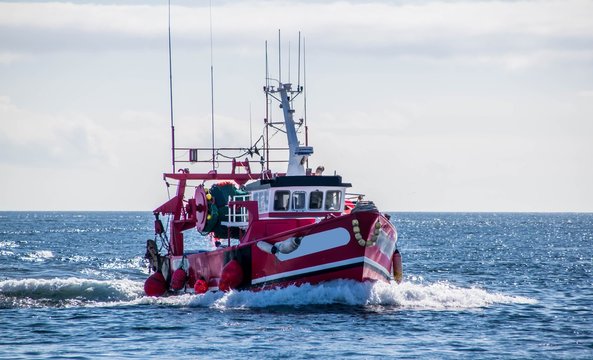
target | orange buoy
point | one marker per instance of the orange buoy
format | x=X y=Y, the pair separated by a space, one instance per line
x=398 y=271
x=231 y=277
x=155 y=285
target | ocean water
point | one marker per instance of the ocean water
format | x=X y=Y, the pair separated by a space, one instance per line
x=485 y=286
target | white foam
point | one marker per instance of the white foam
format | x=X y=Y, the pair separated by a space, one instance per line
x=407 y=295
x=76 y=259
x=38 y=256
x=118 y=264
x=8 y=244
x=438 y=296
x=65 y=291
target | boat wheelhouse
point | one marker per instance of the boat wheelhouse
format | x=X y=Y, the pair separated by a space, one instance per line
x=299 y=196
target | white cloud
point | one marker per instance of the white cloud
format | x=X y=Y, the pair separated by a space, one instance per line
x=519 y=31
x=49 y=140
x=585 y=93
x=8 y=57
x=59 y=161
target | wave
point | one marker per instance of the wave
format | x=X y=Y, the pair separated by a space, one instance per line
x=407 y=295
x=66 y=292
x=8 y=244
x=38 y=256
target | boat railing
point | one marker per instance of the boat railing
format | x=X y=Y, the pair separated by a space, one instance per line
x=238 y=216
x=221 y=155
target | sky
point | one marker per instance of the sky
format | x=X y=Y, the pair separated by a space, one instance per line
x=421 y=105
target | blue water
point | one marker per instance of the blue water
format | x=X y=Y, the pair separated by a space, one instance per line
x=484 y=286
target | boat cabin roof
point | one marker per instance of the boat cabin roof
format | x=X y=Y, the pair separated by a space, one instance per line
x=297 y=181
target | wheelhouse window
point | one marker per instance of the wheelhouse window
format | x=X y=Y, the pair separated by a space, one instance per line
x=298 y=200
x=315 y=200
x=281 y=200
x=333 y=199
x=262 y=200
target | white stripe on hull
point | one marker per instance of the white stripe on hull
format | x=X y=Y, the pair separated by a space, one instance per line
x=305 y=271
x=317 y=242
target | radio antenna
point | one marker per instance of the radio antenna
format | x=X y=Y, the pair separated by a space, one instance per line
x=212 y=86
x=171 y=93
x=299 y=66
x=279 y=59
x=267 y=119
x=305 y=86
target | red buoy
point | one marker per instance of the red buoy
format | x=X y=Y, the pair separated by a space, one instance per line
x=155 y=285
x=231 y=277
x=191 y=278
x=178 y=279
x=201 y=286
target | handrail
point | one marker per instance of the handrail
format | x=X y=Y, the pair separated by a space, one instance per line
x=238 y=215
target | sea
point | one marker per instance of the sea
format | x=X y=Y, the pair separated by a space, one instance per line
x=476 y=286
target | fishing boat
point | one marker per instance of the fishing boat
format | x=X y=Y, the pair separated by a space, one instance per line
x=269 y=228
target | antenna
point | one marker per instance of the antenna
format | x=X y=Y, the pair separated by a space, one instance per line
x=299 y=66
x=304 y=91
x=212 y=86
x=305 y=86
x=171 y=94
x=266 y=120
x=250 y=130
x=267 y=71
x=279 y=59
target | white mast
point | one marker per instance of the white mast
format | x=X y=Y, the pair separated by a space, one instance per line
x=297 y=157
x=297 y=154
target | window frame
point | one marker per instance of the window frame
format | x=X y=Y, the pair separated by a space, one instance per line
x=304 y=200
x=311 y=198
x=277 y=200
x=336 y=204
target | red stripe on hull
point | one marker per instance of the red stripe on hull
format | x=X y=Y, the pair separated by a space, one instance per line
x=360 y=272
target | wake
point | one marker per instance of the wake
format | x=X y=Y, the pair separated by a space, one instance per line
x=101 y=293
x=407 y=295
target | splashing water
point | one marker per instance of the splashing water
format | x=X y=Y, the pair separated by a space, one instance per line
x=407 y=295
x=38 y=256
x=65 y=292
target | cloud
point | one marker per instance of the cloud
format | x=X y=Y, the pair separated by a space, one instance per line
x=49 y=140
x=50 y=159
x=514 y=33
x=585 y=93
x=7 y=57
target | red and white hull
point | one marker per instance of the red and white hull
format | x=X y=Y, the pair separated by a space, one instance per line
x=328 y=250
